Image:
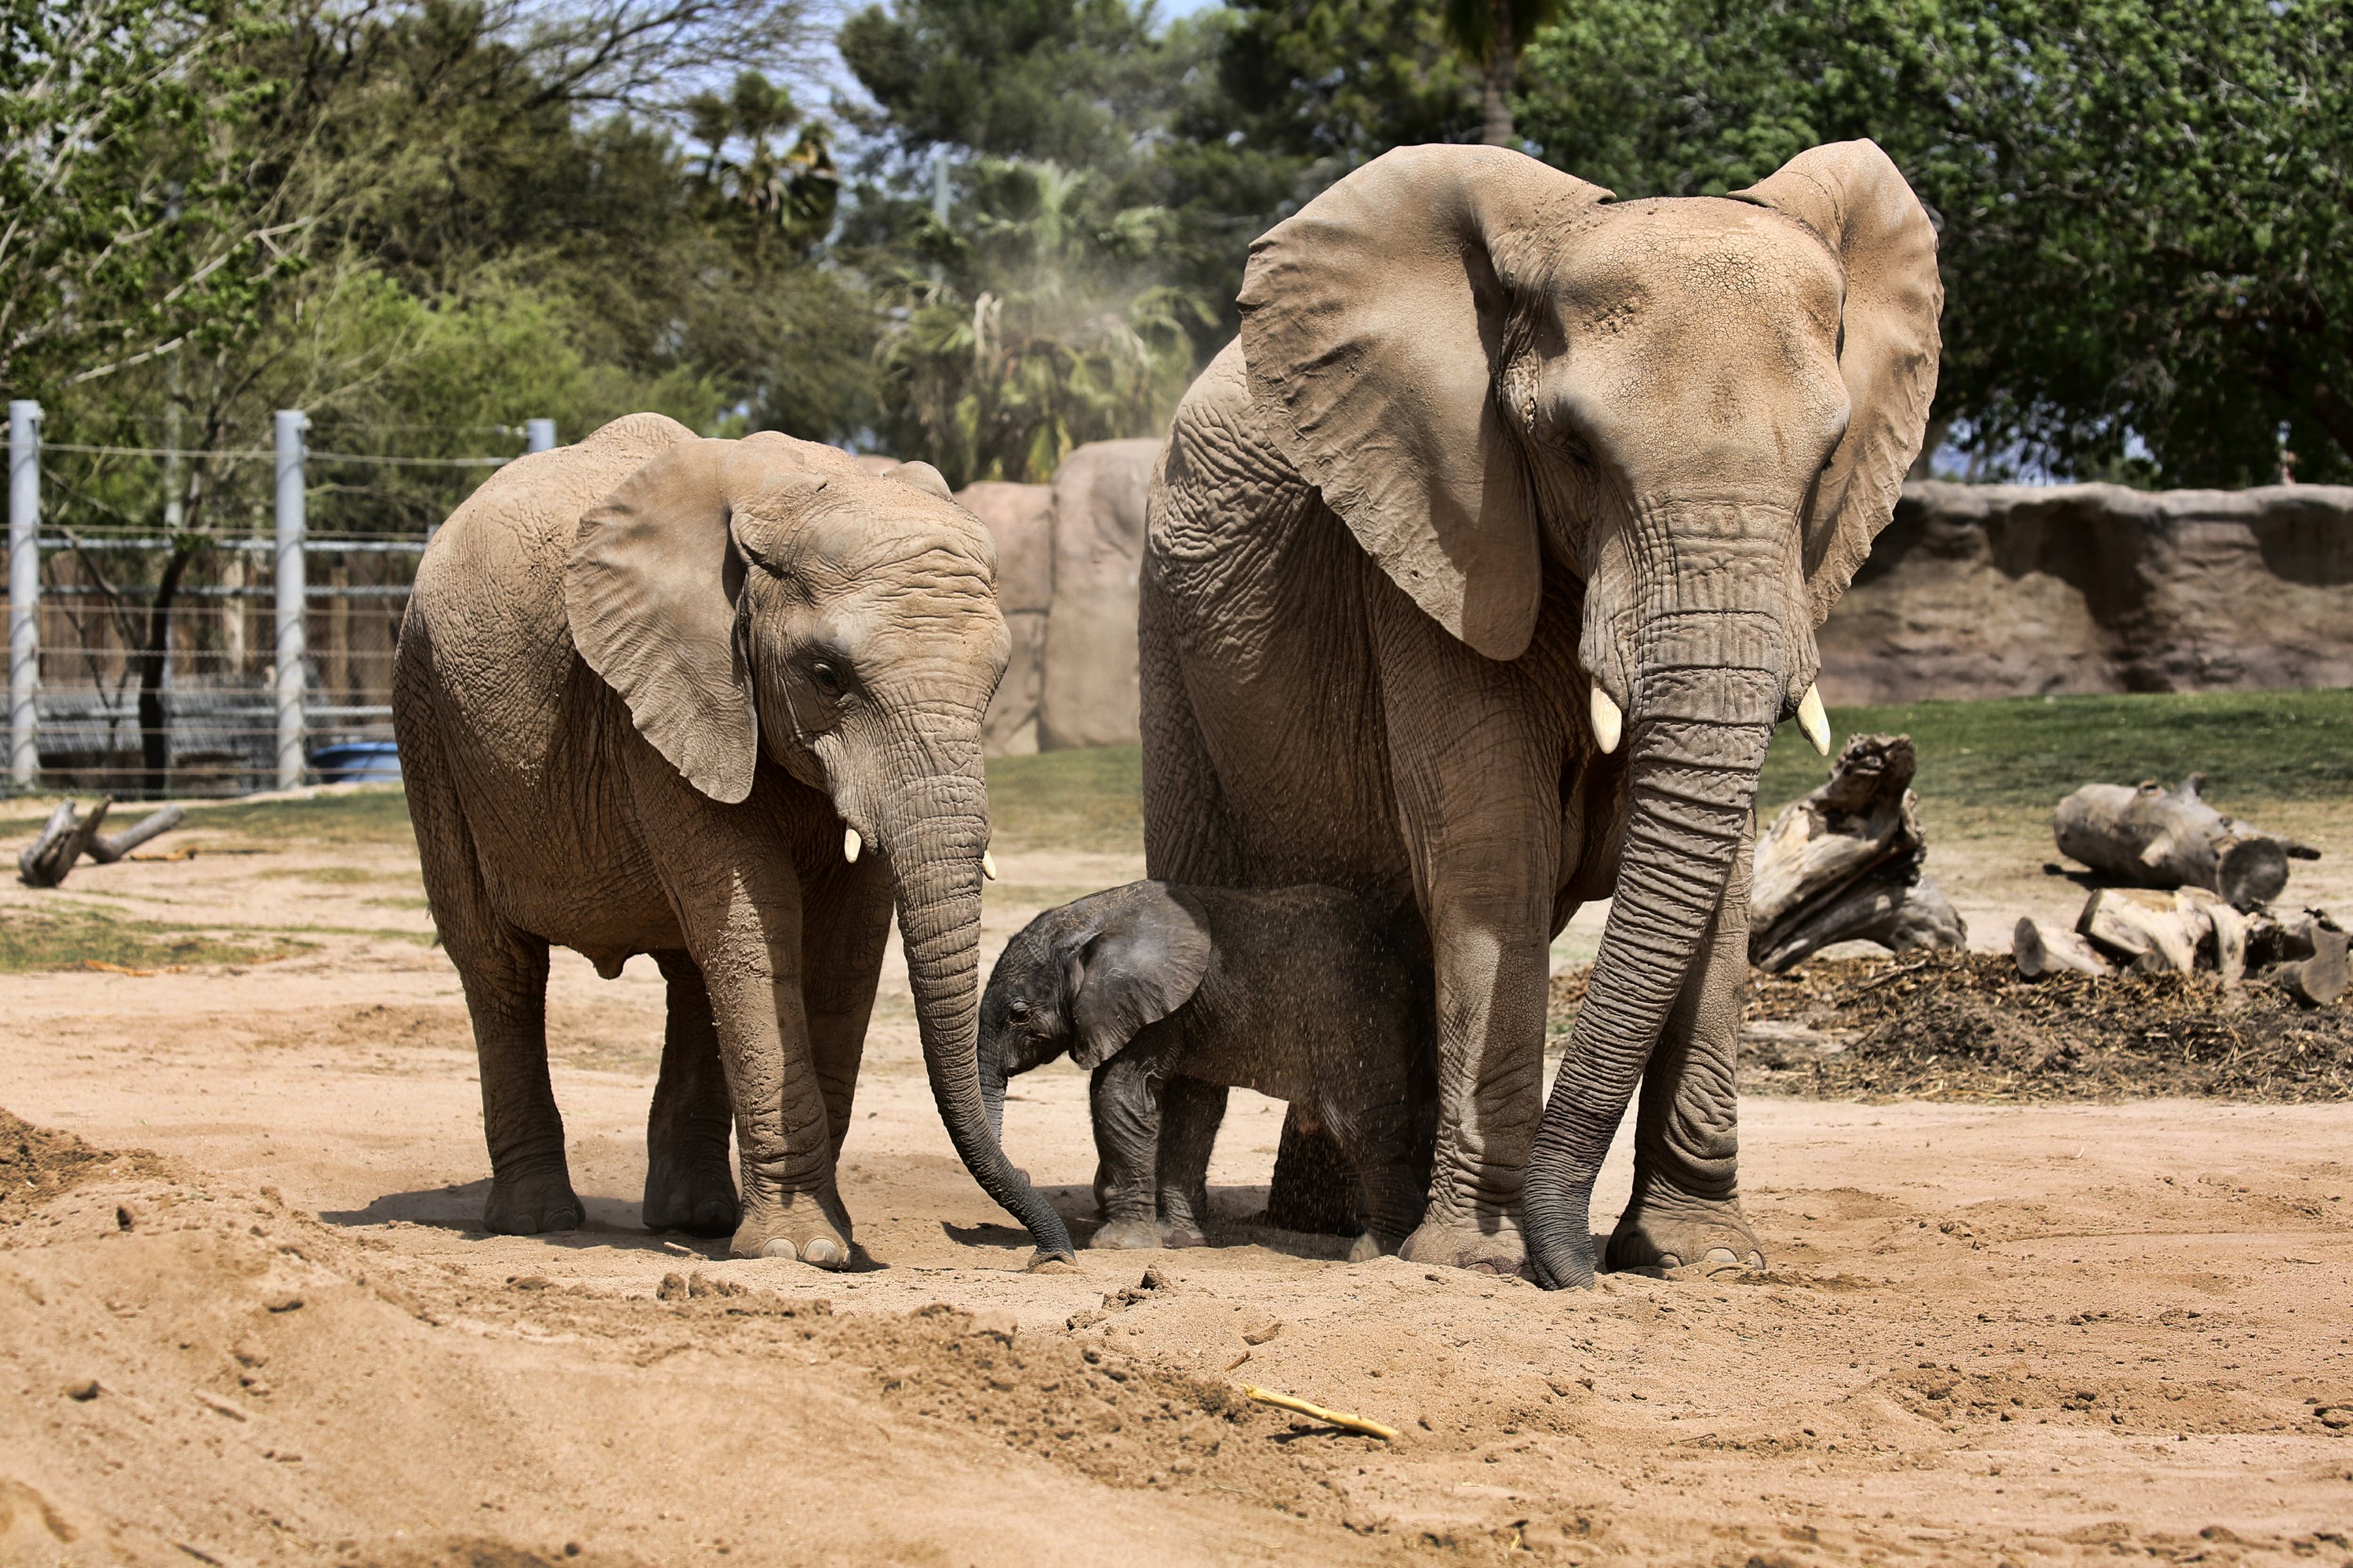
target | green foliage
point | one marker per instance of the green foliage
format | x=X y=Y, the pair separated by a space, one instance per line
x=125 y=235
x=2144 y=201
x=2026 y=754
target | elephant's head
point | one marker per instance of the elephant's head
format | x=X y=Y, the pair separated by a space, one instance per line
x=767 y=596
x=1701 y=408
x=1084 y=977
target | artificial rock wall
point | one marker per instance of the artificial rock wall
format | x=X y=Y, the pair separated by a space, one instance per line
x=1068 y=555
x=1972 y=591
x=2016 y=590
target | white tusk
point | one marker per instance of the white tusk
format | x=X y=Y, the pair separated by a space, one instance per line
x=989 y=865
x=1814 y=719
x=851 y=844
x=1608 y=723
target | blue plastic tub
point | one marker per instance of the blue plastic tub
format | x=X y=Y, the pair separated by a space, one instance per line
x=358 y=762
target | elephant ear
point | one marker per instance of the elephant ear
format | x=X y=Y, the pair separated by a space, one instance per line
x=1139 y=966
x=650 y=590
x=924 y=477
x=1372 y=326
x=1852 y=196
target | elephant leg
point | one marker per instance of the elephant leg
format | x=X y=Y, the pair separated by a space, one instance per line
x=1190 y=1113
x=690 y=1185
x=1314 y=1189
x=846 y=923
x=1381 y=1138
x=1478 y=784
x=1685 y=1207
x=1126 y=1104
x=504 y=973
x=730 y=877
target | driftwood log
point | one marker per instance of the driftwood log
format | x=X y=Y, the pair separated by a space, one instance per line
x=2155 y=837
x=2187 y=929
x=1844 y=865
x=2042 y=949
x=67 y=837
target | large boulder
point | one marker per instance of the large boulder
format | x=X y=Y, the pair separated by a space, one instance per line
x=1089 y=695
x=2013 y=590
x=1020 y=518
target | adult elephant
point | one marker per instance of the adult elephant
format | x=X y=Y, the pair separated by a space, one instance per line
x=1480 y=571
x=654 y=695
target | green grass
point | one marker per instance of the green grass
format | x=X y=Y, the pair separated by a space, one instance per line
x=2028 y=753
x=69 y=937
x=2004 y=756
x=1069 y=799
x=375 y=815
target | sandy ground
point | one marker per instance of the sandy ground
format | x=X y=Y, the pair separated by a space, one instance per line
x=1989 y=1334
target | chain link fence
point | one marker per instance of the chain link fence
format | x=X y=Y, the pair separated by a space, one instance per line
x=154 y=661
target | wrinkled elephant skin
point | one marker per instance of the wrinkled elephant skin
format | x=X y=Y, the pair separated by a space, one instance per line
x=1478 y=573
x=648 y=687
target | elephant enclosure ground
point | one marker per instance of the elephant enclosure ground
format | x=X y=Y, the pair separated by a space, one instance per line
x=245 y=1317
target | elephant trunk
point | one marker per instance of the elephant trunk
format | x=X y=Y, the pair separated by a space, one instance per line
x=992 y=1093
x=1711 y=680
x=934 y=828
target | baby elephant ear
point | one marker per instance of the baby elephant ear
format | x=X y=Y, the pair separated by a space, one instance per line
x=650 y=591
x=1141 y=964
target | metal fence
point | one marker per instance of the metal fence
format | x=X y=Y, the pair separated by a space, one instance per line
x=262 y=662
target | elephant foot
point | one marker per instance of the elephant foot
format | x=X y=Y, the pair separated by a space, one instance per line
x=532 y=1204
x=1453 y=1244
x=1127 y=1233
x=795 y=1228
x=1178 y=1233
x=1665 y=1231
x=697 y=1196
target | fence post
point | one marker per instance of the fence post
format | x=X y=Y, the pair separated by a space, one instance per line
x=538 y=435
x=291 y=424
x=24 y=591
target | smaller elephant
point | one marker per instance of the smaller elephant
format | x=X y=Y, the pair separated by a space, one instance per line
x=1173 y=995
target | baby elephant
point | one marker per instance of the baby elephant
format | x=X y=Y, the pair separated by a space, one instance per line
x=1174 y=994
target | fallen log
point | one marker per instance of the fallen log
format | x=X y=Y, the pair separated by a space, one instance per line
x=2152 y=931
x=66 y=837
x=1844 y=865
x=2305 y=956
x=2149 y=836
x=2042 y=948
x=46 y=861
x=113 y=847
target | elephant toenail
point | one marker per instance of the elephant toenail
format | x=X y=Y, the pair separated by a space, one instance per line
x=1721 y=1258
x=780 y=1247
x=825 y=1252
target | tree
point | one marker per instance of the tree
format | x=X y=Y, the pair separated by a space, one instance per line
x=123 y=234
x=2144 y=201
x=1492 y=33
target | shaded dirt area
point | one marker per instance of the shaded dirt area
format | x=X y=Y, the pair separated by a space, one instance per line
x=1967 y=1026
x=2042 y=1333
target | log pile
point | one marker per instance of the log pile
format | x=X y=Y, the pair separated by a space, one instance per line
x=67 y=837
x=2150 y=836
x=2186 y=930
x=2194 y=891
x=1844 y=865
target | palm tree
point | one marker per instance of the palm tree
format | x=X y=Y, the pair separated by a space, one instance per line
x=1491 y=34
x=1040 y=330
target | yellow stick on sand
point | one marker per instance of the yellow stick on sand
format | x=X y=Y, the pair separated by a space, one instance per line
x=1336 y=1417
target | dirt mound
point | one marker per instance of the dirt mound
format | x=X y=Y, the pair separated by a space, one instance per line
x=1967 y=1027
x=39 y=1163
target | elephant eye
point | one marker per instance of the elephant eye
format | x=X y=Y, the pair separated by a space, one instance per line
x=825 y=678
x=1018 y=1012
